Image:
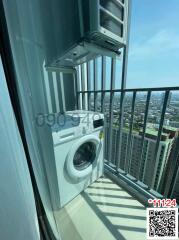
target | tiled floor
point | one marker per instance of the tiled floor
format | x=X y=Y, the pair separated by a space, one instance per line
x=103 y=212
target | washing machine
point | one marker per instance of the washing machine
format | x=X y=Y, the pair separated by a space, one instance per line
x=78 y=151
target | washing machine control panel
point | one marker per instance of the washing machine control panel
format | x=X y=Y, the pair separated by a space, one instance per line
x=87 y=123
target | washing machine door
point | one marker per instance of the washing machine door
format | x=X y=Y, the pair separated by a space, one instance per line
x=82 y=155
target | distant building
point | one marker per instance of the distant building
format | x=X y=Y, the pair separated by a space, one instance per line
x=174 y=124
x=175 y=190
x=145 y=161
x=169 y=186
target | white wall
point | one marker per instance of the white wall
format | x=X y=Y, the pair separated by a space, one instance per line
x=18 y=217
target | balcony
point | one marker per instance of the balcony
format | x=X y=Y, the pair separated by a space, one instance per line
x=141 y=156
x=141 y=152
x=141 y=129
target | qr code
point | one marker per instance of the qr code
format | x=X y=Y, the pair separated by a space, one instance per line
x=162 y=223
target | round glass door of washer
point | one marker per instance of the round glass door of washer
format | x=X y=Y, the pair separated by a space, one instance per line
x=81 y=156
x=85 y=155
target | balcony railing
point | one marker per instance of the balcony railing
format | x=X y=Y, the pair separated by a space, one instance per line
x=141 y=130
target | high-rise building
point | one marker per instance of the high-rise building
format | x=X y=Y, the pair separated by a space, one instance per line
x=175 y=190
x=141 y=164
x=169 y=186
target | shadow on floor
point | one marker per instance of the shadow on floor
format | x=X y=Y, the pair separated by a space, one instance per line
x=106 y=201
x=100 y=214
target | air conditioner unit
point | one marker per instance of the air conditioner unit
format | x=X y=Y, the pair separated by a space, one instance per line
x=102 y=27
x=104 y=22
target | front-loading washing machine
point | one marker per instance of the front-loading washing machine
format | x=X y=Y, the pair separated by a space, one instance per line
x=78 y=152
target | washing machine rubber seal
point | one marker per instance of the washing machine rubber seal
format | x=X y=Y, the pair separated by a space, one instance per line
x=70 y=168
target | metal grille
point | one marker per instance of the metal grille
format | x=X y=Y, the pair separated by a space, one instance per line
x=129 y=144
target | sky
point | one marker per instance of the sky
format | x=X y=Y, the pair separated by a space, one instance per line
x=154 y=44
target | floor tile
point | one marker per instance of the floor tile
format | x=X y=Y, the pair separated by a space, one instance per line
x=103 y=211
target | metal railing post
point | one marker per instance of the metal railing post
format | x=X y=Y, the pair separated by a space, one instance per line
x=95 y=84
x=113 y=68
x=103 y=83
